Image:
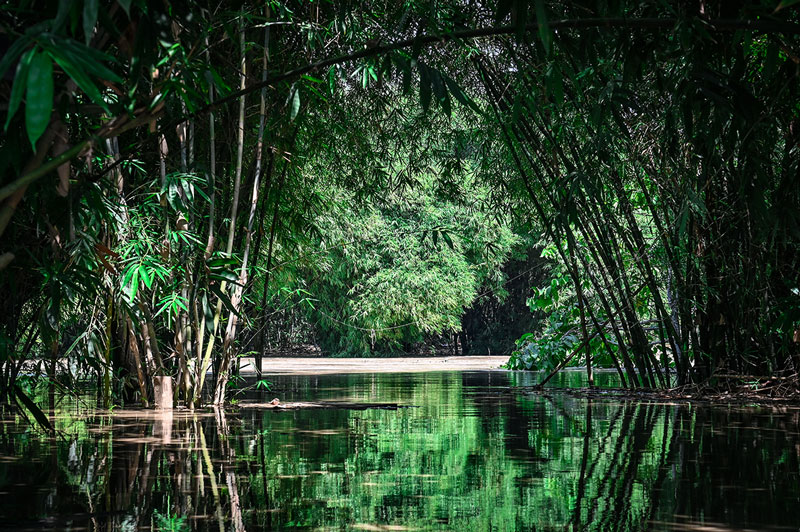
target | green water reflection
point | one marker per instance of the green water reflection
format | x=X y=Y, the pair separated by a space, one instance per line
x=475 y=450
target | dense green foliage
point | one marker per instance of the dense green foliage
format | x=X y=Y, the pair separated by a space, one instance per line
x=392 y=276
x=177 y=179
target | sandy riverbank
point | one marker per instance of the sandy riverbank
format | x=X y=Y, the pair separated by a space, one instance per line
x=319 y=366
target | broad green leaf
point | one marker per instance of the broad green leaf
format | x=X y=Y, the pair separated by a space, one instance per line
x=446 y=107
x=224 y=275
x=89 y=18
x=145 y=275
x=134 y=286
x=208 y=313
x=127 y=276
x=20 y=80
x=39 y=96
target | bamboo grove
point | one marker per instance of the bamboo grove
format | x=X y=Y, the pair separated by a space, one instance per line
x=170 y=170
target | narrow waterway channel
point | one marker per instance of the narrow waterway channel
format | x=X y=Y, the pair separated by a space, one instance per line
x=448 y=451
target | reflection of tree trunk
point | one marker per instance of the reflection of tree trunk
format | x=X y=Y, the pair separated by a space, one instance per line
x=575 y=521
x=149 y=470
x=263 y=457
x=123 y=471
x=642 y=430
x=211 y=475
x=228 y=467
x=611 y=473
x=665 y=459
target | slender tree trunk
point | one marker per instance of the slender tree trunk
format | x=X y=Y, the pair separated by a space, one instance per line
x=224 y=366
x=236 y=298
x=133 y=348
x=204 y=358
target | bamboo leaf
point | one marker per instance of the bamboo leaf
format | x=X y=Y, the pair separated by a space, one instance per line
x=554 y=83
x=80 y=78
x=447 y=239
x=39 y=96
x=20 y=80
x=424 y=87
x=226 y=301
x=786 y=3
x=134 y=286
x=126 y=5
x=89 y=59
x=460 y=95
x=61 y=16
x=90 y=8
x=145 y=275
x=544 y=27
x=13 y=52
x=38 y=415
x=295 y=104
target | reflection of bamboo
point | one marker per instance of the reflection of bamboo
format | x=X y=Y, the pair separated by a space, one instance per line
x=230 y=473
x=644 y=422
x=575 y=520
x=91 y=508
x=665 y=458
x=144 y=494
x=262 y=454
x=211 y=475
x=624 y=430
x=107 y=463
x=200 y=485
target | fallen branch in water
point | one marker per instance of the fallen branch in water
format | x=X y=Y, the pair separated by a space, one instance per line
x=328 y=405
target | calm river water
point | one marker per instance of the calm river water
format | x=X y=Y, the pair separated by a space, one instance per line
x=466 y=451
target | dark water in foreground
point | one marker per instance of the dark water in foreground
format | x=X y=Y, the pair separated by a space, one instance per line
x=475 y=452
